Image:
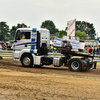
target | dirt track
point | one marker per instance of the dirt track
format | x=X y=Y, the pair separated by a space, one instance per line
x=48 y=83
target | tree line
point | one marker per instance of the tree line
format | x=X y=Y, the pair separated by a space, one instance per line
x=7 y=34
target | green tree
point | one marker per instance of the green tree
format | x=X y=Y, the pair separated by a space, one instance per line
x=80 y=35
x=88 y=27
x=12 y=32
x=50 y=26
x=61 y=33
x=4 y=31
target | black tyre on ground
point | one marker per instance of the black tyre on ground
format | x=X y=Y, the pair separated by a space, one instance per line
x=75 y=65
x=27 y=60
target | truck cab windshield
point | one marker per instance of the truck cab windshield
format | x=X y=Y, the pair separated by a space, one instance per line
x=22 y=35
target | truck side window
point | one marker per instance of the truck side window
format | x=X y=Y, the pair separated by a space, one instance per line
x=27 y=35
x=23 y=35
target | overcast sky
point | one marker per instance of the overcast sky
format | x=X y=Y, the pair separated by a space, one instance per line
x=34 y=12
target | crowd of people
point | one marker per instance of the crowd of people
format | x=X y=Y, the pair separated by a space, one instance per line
x=5 y=46
x=88 y=49
x=92 y=49
x=53 y=49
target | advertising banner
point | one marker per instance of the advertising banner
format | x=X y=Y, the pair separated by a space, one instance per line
x=71 y=27
x=72 y=45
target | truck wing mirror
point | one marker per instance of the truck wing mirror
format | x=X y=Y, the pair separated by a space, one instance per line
x=18 y=38
x=15 y=41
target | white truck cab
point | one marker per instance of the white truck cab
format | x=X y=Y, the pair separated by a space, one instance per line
x=28 y=43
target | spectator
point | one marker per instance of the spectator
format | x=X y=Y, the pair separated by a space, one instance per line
x=0 y=47
x=51 y=48
x=98 y=50
x=87 y=49
x=12 y=47
x=8 y=46
x=4 y=46
x=93 y=50
x=58 y=50
x=90 y=50
x=55 y=49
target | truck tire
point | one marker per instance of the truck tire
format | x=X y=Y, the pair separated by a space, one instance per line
x=75 y=65
x=27 y=60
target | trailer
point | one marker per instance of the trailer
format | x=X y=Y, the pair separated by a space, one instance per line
x=33 y=50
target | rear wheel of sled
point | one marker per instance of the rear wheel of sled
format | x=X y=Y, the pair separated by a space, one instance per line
x=27 y=60
x=75 y=65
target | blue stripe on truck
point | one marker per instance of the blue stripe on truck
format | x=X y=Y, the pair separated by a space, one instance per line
x=32 y=51
x=34 y=30
x=33 y=40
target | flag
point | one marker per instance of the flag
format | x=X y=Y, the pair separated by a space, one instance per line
x=71 y=27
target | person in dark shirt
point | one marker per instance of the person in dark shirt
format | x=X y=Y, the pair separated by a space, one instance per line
x=93 y=50
x=4 y=47
x=8 y=46
x=98 y=50
x=90 y=50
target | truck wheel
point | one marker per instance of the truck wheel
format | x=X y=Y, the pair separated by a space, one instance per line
x=75 y=65
x=27 y=60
